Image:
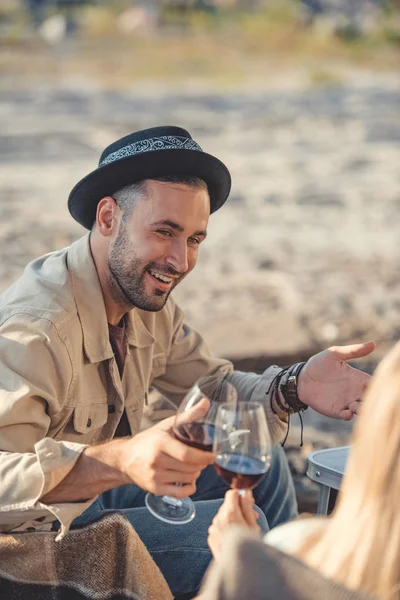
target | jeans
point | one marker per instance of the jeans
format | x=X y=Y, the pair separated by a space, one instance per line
x=181 y=551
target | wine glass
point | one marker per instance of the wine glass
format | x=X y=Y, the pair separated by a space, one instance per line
x=242 y=445
x=194 y=426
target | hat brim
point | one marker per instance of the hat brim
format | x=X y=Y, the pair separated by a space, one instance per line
x=106 y=180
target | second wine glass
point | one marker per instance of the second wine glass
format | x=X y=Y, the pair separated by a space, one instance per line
x=242 y=445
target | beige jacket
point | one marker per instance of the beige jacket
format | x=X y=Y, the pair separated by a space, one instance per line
x=60 y=387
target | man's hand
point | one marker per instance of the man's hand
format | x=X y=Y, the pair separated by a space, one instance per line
x=155 y=461
x=237 y=509
x=330 y=386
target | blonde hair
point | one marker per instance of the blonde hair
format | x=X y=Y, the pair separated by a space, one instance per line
x=359 y=544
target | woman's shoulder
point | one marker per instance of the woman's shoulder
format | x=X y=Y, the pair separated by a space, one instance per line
x=289 y=537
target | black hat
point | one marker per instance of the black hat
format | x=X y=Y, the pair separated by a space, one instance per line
x=146 y=154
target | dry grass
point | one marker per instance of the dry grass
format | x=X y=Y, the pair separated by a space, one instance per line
x=228 y=50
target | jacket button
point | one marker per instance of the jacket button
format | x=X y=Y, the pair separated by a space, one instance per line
x=111 y=409
x=89 y=423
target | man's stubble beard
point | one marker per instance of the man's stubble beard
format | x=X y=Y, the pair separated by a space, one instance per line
x=126 y=280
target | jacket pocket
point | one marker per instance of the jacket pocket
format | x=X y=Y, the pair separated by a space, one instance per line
x=158 y=367
x=89 y=417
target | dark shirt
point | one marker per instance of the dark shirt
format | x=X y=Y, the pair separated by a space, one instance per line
x=118 y=343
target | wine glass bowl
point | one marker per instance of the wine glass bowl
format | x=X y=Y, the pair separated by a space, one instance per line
x=195 y=420
x=242 y=445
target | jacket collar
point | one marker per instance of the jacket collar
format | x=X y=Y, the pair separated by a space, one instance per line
x=90 y=306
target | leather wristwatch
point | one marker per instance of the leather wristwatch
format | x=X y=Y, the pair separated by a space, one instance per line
x=288 y=387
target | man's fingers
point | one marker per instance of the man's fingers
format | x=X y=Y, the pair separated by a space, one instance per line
x=355 y=406
x=166 y=424
x=353 y=351
x=176 y=491
x=195 y=413
x=171 y=477
x=169 y=446
x=346 y=414
x=166 y=462
x=188 y=455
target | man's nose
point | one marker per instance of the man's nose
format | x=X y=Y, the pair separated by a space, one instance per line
x=178 y=257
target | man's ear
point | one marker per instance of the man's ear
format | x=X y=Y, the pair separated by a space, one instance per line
x=107 y=216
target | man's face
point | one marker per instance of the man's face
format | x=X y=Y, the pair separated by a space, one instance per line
x=157 y=245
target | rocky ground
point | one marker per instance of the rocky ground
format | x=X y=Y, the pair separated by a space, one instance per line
x=304 y=254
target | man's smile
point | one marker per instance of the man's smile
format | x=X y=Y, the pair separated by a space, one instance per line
x=161 y=276
x=162 y=281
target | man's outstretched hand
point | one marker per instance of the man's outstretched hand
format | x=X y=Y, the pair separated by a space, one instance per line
x=332 y=387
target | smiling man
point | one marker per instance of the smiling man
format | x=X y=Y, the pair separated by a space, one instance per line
x=87 y=330
x=157 y=247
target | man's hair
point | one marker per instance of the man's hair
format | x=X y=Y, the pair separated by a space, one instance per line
x=127 y=196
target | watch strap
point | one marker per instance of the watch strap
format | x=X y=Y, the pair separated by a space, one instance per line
x=288 y=387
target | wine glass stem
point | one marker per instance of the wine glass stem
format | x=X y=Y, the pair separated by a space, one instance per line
x=172 y=501
x=175 y=502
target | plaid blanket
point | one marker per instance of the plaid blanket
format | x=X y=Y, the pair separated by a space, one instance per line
x=103 y=561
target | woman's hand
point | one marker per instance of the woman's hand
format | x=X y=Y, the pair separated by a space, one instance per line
x=237 y=509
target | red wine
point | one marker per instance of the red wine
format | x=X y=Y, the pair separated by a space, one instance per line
x=239 y=471
x=196 y=434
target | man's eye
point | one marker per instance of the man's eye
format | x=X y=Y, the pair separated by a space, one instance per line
x=164 y=231
x=194 y=240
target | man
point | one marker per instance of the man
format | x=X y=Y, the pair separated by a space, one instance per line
x=88 y=329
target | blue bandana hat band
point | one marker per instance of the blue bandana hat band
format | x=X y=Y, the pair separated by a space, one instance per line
x=158 y=143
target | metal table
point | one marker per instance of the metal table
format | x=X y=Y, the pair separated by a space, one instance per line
x=326 y=467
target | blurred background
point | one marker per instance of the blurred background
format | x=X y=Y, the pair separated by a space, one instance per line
x=301 y=100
